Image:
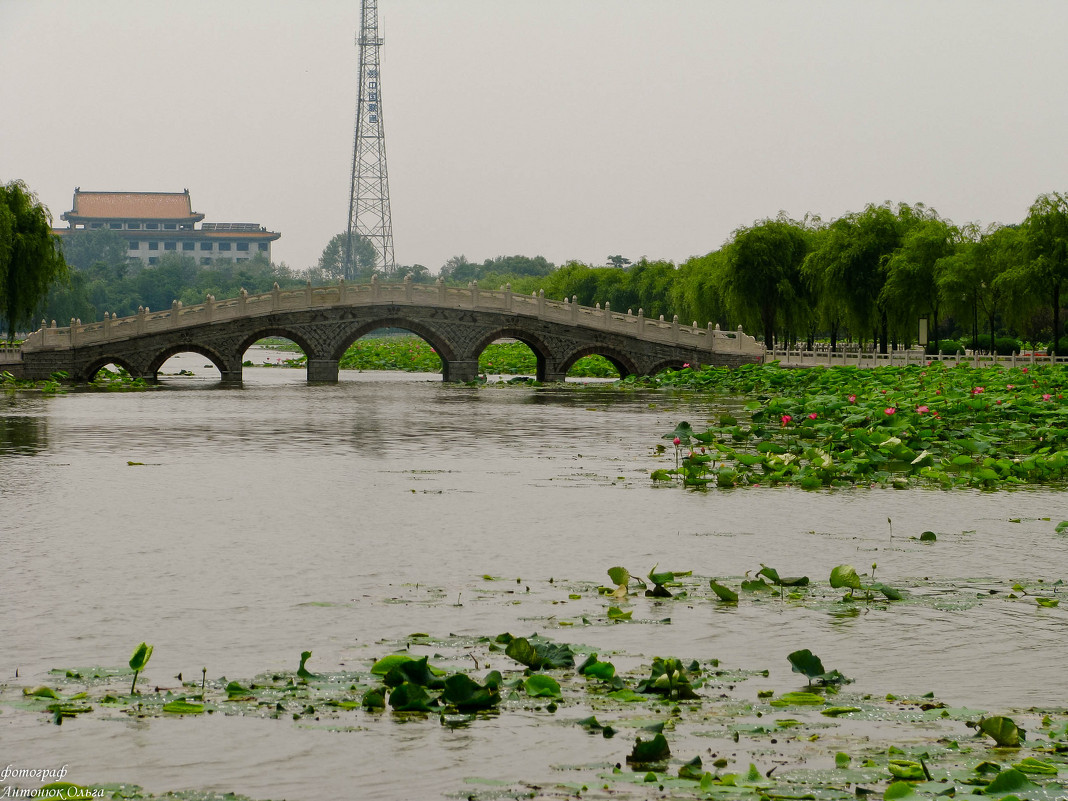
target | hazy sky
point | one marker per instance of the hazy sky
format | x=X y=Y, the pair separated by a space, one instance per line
x=572 y=129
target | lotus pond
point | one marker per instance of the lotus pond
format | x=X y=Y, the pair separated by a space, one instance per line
x=395 y=588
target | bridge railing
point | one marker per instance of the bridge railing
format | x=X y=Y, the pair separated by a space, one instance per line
x=567 y=312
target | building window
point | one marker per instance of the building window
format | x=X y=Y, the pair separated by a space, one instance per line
x=135 y=245
x=189 y=245
x=134 y=226
x=153 y=259
x=205 y=260
x=170 y=226
x=115 y=226
x=153 y=245
x=263 y=247
x=205 y=245
x=152 y=226
x=96 y=225
x=170 y=246
x=224 y=246
x=242 y=245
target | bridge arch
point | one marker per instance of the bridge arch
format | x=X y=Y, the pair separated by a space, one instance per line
x=226 y=371
x=98 y=364
x=621 y=361
x=279 y=331
x=542 y=352
x=441 y=346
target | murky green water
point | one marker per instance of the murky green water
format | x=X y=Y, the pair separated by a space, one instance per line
x=281 y=517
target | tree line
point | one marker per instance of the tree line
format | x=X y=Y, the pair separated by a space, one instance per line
x=868 y=276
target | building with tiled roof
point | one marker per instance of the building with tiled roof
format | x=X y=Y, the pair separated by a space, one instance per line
x=155 y=223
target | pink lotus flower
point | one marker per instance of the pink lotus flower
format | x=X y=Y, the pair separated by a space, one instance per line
x=998 y=401
x=852 y=398
x=889 y=410
x=1047 y=397
x=922 y=409
x=685 y=365
x=676 y=442
x=978 y=390
x=1025 y=369
x=813 y=416
x=786 y=419
x=938 y=392
x=1010 y=386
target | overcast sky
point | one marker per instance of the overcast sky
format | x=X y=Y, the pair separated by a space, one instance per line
x=571 y=129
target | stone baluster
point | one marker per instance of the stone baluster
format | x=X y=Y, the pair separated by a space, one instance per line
x=738 y=339
x=473 y=286
x=341 y=289
x=541 y=303
x=574 y=308
x=408 y=288
x=209 y=308
x=441 y=291
x=374 y=288
x=276 y=297
x=308 y=295
x=175 y=306
x=508 y=297
x=140 y=319
x=675 y=329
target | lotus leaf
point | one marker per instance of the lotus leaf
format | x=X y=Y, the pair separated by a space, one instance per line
x=540 y=654
x=647 y=751
x=302 y=671
x=723 y=593
x=845 y=576
x=467 y=695
x=410 y=698
x=541 y=686
x=1009 y=780
x=183 y=707
x=1003 y=730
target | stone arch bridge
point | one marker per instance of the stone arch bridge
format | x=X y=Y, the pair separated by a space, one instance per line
x=457 y=322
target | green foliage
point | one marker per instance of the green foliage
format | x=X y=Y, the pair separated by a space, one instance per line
x=809 y=665
x=142 y=653
x=538 y=653
x=891 y=426
x=649 y=751
x=31 y=259
x=1002 y=730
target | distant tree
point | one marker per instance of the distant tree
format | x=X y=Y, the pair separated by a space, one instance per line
x=1046 y=237
x=521 y=266
x=618 y=262
x=912 y=287
x=979 y=278
x=419 y=273
x=332 y=262
x=82 y=248
x=851 y=261
x=459 y=270
x=762 y=281
x=31 y=259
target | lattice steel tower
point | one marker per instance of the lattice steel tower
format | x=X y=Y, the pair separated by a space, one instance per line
x=369 y=199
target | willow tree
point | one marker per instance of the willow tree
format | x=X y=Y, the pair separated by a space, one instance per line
x=979 y=278
x=762 y=279
x=31 y=257
x=1046 y=236
x=912 y=284
x=852 y=264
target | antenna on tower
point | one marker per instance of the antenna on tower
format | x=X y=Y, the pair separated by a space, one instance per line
x=369 y=218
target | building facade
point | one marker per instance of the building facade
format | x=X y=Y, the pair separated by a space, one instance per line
x=157 y=223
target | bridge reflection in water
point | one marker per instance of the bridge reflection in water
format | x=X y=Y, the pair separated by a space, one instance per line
x=458 y=322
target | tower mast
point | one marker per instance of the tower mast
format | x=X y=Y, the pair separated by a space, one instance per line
x=369 y=217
